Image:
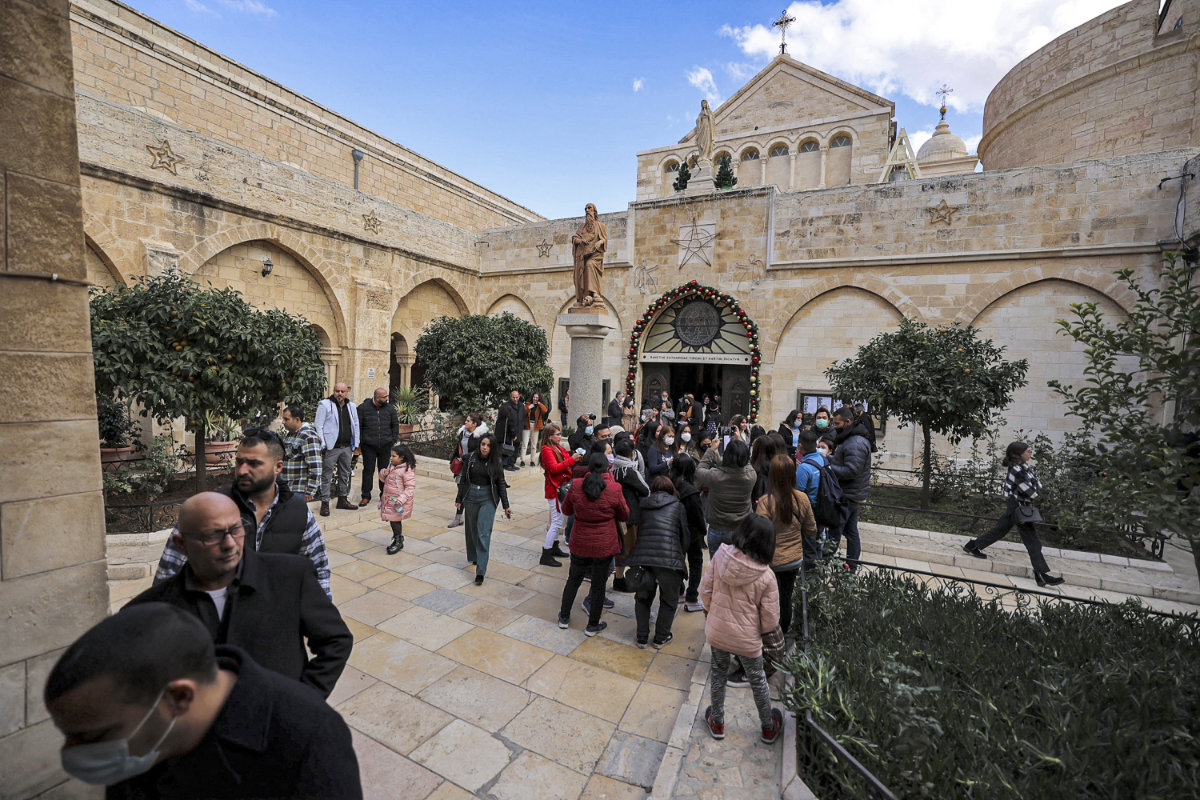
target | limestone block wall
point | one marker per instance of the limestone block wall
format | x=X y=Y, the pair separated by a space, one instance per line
x=129 y=59
x=1110 y=87
x=52 y=569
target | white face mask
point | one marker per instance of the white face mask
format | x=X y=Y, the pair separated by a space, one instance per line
x=823 y=451
x=687 y=437
x=106 y=763
x=670 y=440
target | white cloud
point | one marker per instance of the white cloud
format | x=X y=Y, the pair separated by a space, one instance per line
x=969 y=46
x=248 y=7
x=740 y=71
x=196 y=7
x=918 y=138
x=702 y=79
x=638 y=83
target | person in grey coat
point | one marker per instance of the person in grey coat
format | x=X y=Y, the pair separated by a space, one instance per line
x=729 y=479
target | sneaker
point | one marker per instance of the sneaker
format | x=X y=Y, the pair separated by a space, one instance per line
x=737 y=679
x=693 y=605
x=717 y=729
x=564 y=622
x=456 y=522
x=660 y=645
x=479 y=580
x=592 y=630
x=769 y=735
x=641 y=644
x=586 y=605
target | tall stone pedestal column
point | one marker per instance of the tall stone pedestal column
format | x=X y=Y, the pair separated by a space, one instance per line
x=588 y=331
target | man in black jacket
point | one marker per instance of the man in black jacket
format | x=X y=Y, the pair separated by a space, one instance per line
x=378 y=430
x=851 y=465
x=269 y=604
x=149 y=708
x=614 y=409
x=510 y=421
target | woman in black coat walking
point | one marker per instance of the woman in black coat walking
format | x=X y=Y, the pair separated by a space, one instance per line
x=661 y=544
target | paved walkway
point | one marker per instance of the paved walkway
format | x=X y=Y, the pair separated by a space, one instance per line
x=455 y=690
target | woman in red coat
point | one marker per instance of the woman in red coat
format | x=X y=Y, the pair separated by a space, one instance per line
x=598 y=505
x=556 y=464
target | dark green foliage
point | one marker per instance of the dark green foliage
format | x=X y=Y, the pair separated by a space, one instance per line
x=724 y=178
x=1139 y=410
x=112 y=418
x=474 y=361
x=183 y=351
x=941 y=694
x=681 y=181
x=947 y=380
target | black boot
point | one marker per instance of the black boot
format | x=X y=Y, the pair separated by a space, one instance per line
x=558 y=552
x=548 y=558
x=397 y=544
x=1045 y=579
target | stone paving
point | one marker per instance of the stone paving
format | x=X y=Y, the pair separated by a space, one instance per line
x=456 y=690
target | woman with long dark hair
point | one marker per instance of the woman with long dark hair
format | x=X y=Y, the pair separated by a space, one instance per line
x=683 y=475
x=661 y=543
x=791 y=513
x=598 y=505
x=482 y=489
x=467 y=442
x=1021 y=488
x=761 y=453
x=789 y=429
x=660 y=453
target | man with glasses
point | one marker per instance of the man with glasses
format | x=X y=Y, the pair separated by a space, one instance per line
x=278 y=518
x=269 y=604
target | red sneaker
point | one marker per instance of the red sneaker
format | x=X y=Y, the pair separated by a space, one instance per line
x=769 y=735
x=717 y=729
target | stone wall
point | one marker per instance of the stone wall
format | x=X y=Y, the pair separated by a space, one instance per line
x=129 y=59
x=52 y=569
x=1113 y=86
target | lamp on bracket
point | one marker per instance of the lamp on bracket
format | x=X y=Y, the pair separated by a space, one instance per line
x=267 y=266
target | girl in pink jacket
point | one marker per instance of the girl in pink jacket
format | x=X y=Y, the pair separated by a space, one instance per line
x=396 y=501
x=741 y=602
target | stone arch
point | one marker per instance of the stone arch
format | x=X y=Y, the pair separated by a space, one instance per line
x=410 y=283
x=193 y=260
x=751 y=159
x=807 y=174
x=510 y=302
x=779 y=166
x=102 y=242
x=1106 y=284
x=838 y=160
x=101 y=271
x=746 y=148
x=813 y=290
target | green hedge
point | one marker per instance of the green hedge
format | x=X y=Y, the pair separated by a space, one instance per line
x=941 y=694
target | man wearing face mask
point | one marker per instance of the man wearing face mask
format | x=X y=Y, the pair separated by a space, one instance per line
x=149 y=708
x=821 y=421
x=582 y=438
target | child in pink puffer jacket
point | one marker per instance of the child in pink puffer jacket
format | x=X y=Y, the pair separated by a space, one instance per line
x=741 y=602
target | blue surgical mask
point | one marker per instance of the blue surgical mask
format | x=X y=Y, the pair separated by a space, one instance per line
x=588 y=430
x=821 y=424
x=107 y=763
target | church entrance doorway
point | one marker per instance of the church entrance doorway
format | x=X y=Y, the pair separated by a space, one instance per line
x=730 y=381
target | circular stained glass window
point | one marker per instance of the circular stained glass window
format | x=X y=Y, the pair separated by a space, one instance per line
x=697 y=323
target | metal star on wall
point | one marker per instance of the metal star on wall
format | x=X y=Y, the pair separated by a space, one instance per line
x=943 y=212
x=695 y=245
x=164 y=157
x=372 y=223
x=544 y=248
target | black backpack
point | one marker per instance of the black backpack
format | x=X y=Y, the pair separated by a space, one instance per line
x=830 y=508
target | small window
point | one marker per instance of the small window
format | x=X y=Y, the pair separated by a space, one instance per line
x=719 y=157
x=672 y=167
x=840 y=141
x=750 y=155
x=809 y=147
x=779 y=150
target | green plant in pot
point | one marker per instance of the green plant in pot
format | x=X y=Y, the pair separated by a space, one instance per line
x=411 y=404
x=117 y=431
x=223 y=435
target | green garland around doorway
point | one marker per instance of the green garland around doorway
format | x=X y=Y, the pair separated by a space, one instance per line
x=715 y=296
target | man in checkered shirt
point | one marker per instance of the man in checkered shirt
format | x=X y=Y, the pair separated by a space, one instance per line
x=302 y=461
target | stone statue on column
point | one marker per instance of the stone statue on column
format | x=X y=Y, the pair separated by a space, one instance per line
x=589 y=245
x=704 y=133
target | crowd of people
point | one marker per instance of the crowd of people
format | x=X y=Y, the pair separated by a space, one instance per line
x=221 y=667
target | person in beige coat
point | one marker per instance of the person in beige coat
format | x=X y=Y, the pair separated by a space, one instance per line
x=791 y=513
x=741 y=602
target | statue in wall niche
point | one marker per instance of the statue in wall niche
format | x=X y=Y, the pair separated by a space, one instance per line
x=704 y=133
x=589 y=244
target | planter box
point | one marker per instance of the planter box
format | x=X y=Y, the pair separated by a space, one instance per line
x=111 y=458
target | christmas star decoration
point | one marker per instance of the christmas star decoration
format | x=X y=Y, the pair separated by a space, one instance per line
x=164 y=157
x=943 y=212
x=372 y=223
x=544 y=248
x=695 y=246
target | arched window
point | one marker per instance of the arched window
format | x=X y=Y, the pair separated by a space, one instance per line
x=809 y=147
x=841 y=140
x=719 y=157
x=672 y=166
x=778 y=150
x=750 y=155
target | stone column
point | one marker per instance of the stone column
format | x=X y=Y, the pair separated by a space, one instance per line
x=52 y=549
x=824 y=153
x=588 y=331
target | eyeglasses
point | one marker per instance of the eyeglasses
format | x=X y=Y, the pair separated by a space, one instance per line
x=266 y=434
x=215 y=537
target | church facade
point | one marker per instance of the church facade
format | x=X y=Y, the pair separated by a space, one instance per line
x=189 y=159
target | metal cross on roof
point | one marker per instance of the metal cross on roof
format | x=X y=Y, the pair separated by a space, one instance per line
x=944 y=91
x=782 y=23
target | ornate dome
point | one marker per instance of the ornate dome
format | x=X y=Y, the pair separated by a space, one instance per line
x=942 y=146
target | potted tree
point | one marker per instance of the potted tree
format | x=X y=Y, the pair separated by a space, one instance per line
x=117 y=430
x=410 y=405
x=222 y=438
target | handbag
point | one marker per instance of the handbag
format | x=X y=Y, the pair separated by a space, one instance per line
x=562 y=491
x=456 y=466
x=1026 y=514
x=638 y=579
x=508 y=449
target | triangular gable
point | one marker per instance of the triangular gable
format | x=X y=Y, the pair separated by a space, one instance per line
x=900 y=156
x=788 y=93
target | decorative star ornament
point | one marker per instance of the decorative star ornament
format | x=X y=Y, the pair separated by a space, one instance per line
x=372 y=223
x=544 y=248
x=164 y=157
x=942 y=213
x=695 y=245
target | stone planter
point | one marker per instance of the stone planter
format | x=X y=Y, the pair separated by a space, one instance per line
x=111 y=458
x=406 y=431
x=217 y=453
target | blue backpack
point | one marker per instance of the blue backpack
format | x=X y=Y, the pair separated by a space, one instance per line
x=830 y=508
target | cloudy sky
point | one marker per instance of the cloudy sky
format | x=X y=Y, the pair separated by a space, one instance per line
x=548 y=102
